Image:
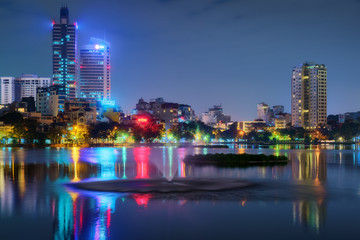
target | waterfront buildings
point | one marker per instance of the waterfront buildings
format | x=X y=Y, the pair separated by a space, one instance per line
x=168 y=113
x=186 y=113
x=308 y=95
x=95 y=77
x=215 y=116
x=14 y=89
x=248 y=126
x=280 y=123
x=278 y=109
x=7 y=90
x=165 y=111
x=50 y=100
x=270 y=115
x=264 y=112
x=65 y=54
x=26 y=85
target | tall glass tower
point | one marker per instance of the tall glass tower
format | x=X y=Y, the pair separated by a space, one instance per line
x=65 y=54
x=95 y=78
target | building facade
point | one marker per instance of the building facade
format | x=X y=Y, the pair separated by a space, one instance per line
x=263 y=112
x=214 y=116
x=50 y=100
x=26 y=85
x=7 y=90
x=95 y=77
x=278 y=109
x=64 y=44
x=14 y=89
x=308 y=95
x=248 y=126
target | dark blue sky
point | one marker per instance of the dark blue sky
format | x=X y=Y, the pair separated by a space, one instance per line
x=199 y=52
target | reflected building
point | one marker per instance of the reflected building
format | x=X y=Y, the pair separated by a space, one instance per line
x=309 y=166
x=310 y=214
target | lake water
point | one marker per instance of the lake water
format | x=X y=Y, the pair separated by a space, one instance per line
x=316 y=196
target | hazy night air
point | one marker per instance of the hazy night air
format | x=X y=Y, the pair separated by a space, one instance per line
x=205 y=52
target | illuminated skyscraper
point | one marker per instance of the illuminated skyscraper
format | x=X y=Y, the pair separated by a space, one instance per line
x=95 y=77
x=308 y=95
x=65 y=54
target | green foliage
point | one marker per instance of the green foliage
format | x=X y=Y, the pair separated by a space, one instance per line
x=186 y=130
x=102 y=131
x=147 y=133
x=55 y=134
x=347 y=131
x=263 y=136
x=27 y=130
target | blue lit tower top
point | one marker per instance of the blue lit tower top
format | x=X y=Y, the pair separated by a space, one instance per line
x=65 y=54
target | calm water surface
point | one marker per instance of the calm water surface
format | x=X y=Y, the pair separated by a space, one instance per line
x=316 y=196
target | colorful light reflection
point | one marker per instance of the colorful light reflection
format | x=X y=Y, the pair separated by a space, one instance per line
x=141 y=155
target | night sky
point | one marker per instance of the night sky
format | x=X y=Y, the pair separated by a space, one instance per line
x=199 y=52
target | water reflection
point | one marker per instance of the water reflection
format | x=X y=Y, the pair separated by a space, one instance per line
x=31 y=184
x=142 y=160
x=310 y=214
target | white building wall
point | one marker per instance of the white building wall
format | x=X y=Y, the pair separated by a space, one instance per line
x=7 y=90
x=28 y=84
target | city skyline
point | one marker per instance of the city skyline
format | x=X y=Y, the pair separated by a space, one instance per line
x=147 y=53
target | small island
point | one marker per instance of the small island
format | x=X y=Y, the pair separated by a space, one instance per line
x=236 y=160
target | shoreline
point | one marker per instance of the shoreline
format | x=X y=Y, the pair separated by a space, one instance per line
x=177 y=145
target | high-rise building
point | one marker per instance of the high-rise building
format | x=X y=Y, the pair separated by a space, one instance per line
x=7 y=90
x=95 y=77
x=65 y=54
x=26 y=85
x=308 y=95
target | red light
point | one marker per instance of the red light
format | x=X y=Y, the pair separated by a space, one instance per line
x=53 y=23
x=108 y=67
x=81 y=66
x=142 y=120
x=142 y=199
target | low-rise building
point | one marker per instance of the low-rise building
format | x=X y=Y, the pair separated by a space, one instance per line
x=80 y=112
x=167 y=112
x=50 y=100
x=248 y=126
x=280 y=123
x=215 y=116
